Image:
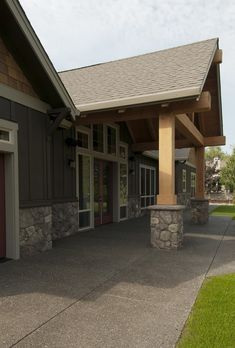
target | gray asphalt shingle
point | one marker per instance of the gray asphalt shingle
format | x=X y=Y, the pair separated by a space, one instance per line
x=170 y=70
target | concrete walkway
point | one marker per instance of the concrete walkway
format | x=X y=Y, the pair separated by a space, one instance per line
x=108 y=288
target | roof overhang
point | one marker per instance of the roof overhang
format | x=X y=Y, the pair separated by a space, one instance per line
x=168 y=96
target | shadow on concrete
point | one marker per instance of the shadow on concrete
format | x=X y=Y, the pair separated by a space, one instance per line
x=114 y=260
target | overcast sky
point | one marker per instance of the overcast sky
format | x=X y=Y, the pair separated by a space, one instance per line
x=77 y=33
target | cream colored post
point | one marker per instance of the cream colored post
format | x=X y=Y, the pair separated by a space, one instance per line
x=166 y=160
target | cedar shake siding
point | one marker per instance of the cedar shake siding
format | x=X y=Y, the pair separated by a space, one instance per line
x=11 y=74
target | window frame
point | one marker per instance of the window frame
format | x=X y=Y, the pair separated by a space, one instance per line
x=98 y=153
x=193 y=184
x=9 y=131
x=145 y=196
x=184 y=180
x=85 y=131
x=90 y=210
x=106 y=140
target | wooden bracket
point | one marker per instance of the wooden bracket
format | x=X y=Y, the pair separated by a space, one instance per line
x=61 y=114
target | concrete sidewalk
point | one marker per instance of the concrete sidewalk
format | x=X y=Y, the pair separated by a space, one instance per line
x=108 y=288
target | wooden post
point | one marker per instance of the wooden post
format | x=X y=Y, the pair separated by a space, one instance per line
x=166 y=160
x=200 y=172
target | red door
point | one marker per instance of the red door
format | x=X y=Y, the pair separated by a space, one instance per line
x=103 y=192
x=2 y=209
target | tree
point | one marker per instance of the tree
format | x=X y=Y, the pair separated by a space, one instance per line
x=228 y=172
x=212 y=178
x=214 y=156
x=215 y=152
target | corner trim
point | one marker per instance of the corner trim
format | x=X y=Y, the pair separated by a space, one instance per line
x=12 y=191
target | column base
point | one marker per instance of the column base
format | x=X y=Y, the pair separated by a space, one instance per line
x=199 y=211
x=166 y=199
x=166 y=226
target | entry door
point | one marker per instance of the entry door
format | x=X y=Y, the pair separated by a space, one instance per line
x=103 y=191
x=2 y=209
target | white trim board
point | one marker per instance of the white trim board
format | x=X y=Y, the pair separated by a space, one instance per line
x=10 y=151
x=23 y=99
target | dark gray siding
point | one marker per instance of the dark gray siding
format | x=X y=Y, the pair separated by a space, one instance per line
x=64 y=186
x=44 y=173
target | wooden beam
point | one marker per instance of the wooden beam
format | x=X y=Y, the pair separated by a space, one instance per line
x=215 y=141
x=218 y=57
x=200 y=172
x=153 y=145
x=128 y=124
x=151 y=129
x=179 y=144
x=189 y=130
x=180 y=107
x=55 y=124
x=166 y=160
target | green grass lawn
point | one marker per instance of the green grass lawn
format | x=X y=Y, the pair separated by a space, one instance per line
x=211 y=323
x=224 y=210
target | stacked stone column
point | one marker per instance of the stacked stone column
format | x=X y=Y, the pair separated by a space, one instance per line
x=166 y=226
x=199 y=211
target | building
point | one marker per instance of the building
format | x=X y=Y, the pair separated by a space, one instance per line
x=73 y=154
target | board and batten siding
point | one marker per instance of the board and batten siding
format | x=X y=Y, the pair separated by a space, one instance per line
x=44 y=173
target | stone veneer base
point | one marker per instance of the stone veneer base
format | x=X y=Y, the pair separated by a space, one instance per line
x=134 y=209
x=199 y=211
x=166 y=226
x=64 y=219
x=35 y=230
x=39 y=226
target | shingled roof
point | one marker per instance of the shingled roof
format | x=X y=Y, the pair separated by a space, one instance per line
x=169 y=74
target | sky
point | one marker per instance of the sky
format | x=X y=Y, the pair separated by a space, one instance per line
x=78 y=33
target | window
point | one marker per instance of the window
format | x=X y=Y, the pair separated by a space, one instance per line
x=111 y=141
x=147 y=186
x=83 y=140
x=123 y=190
x=4 y=135
x=184 y=180
x=98 y=138
x=193 y=184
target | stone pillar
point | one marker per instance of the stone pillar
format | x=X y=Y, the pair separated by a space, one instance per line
x=166 y=226
x=199 y=211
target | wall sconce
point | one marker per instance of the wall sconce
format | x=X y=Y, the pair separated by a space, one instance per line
x=71 y=163
x=132 y=165
x=131 y=158
x=71 y=142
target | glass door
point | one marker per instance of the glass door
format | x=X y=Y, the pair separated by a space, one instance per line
x=84 y=191
x=103 y=191
x=2 y=209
